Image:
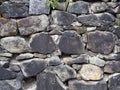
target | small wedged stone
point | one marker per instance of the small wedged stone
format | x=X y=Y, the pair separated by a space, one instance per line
x=114 y=82
x=100 y=42
x=117 y=49
x=7 y=27
x=14 y=10
x=97 y=61
x=49 y=82
x=33 y=66
x=91 y=72
x=79 y=7
x=65 y=45
x=62 y=18
x=83 y=58
x=96 y=19
x=112 y=67
x=98 y=7
x=83 y=85
x=38 y=7
x=32 y=24
x=6 y=74
x=24 y=56
x=6 y=54
x=14 y=44
x=42 y=43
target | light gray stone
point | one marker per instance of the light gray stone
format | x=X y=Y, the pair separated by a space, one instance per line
x=14 y=44
x=32 y=24
x=24 y=56
x=38 y=7
x=79 y=7
x=7 y=27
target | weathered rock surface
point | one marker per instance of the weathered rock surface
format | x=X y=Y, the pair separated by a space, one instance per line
x=42 y=43
x=62 y=18
x=7 y=27
x=83 y=58
x=100 y=42
x=79 y=7
x=14 y=10
x=83 y=85
x=6 y=75
x=112 y=67
x=38 y=7
x=98 y=7
x=33 y=66
x=49 y=81
x=14 y=44
x=32 y=24
x=114 y=82
x=24 y=56
x=71 y=43
x=96 y=61
x=96 y=19
x=91 y=72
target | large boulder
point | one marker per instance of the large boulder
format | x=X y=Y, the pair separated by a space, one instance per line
x=14 y=44
x=71 y=43
x=32 y=24
x=42 y=43
x=100 y=42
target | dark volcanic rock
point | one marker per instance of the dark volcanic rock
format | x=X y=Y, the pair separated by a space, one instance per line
x=71 y=43
x=33 y=66
x=42 y=43
x=49 y=81
x=101 y=42
x=83 y=85
x=112 y=67
x=79 y=7
x=14 y=10
x=96 y=19
x=114 y=82
x=5 y=74
x=38 y=7
x=32 y=24
x=62 y=18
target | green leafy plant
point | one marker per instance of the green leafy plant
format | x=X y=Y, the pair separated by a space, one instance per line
x=117 y=22
x=52 y=3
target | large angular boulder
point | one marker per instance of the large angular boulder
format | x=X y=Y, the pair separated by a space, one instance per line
x=79 y=7
x=32 y=24
x=96 y=19
x=38 y=7
x=7 y=27
x=42 y=43
x=49 y=81
x=71 y=43
x=32 y=67
x=83 y=85
x=100 y=42
x=6 y=74
x=62 y=17
x=14 y=44
x=14 y=10
x=114 y=82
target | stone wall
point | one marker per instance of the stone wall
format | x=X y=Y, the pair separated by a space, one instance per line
x=73 y=47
